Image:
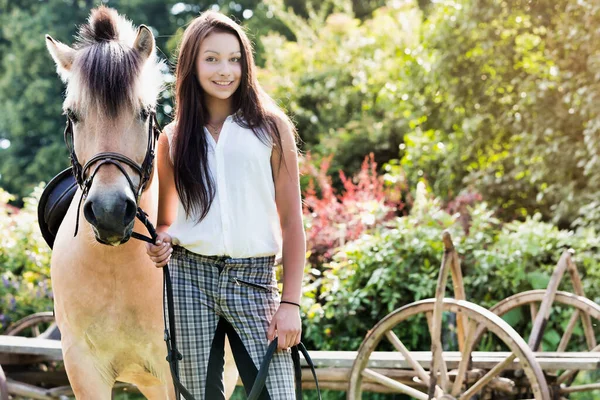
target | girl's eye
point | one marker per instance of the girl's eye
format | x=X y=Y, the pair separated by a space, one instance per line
x=210 y=59
x=235 y=59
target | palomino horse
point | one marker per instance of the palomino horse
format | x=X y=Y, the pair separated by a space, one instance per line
x=107 y=292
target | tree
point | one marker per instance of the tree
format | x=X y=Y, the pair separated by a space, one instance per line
x=31 y=93
x=343 y=80
x=510 y=105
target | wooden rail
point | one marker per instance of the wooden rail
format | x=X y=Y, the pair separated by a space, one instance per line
x=13 y=348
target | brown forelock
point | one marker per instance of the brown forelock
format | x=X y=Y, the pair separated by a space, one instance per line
x=101 y=26
x=108 y=72
x=107 y=68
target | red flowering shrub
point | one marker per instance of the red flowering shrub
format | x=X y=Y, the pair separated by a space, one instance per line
x=333 y=219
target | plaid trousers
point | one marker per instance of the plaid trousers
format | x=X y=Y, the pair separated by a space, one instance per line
x=218 y=295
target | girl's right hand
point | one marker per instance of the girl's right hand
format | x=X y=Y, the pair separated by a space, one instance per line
x=160 y=252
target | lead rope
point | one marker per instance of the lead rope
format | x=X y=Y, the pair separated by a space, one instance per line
x=174 y=356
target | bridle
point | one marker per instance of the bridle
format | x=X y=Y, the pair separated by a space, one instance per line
x=85 y=180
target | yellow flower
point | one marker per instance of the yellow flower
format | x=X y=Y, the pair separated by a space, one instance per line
x=30 y=276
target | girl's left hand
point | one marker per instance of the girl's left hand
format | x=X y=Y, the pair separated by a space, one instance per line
x=286 y=325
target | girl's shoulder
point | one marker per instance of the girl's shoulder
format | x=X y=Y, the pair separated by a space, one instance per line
x=169 y=132
x=169 y=129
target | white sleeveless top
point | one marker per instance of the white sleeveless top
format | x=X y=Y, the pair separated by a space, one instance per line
x=242 y=220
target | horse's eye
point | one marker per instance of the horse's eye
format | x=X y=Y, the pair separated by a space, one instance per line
x=144 y=114
x=72 y=115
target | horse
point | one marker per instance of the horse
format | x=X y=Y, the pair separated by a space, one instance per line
x=108 y=296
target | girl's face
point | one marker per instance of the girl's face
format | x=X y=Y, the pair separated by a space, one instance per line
x=219 y=66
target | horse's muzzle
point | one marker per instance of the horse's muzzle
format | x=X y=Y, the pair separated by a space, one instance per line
x=111 y=216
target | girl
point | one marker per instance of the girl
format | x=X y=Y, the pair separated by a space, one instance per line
x=229 y=202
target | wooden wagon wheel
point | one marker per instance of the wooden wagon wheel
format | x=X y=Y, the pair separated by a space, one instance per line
x=462 y=383
x=584 y=311
x=39 y=325
x=3 y=385
x=34 y=321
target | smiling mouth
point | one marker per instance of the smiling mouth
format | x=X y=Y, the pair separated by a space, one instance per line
x=223 y=83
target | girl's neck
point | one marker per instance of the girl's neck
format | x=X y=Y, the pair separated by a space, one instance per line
x=218 y=109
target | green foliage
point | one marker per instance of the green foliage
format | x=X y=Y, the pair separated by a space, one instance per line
x=25 y=261
x=375 y=274
x=510 y=105
x=342 y=79
x=398 y=264
x=31 y=93
x=498 y=97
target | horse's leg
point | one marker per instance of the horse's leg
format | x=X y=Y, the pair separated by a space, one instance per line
x=230 y=377
x=85 y=377
x=157 y=392
x=230 y=380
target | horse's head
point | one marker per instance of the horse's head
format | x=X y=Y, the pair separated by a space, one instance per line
x=113 y=81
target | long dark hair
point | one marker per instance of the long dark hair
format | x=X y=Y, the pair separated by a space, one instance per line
x=254 y=109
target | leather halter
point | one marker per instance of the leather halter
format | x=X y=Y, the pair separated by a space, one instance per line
x=85 y=180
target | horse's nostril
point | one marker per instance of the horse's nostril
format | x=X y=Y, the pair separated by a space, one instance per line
x=130 y=210
x=88 y=213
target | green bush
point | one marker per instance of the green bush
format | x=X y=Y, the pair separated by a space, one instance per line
x=399 y=263
x=343 y=80
x=24 y=262
x=510 y=106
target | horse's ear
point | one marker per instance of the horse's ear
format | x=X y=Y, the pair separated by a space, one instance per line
x=63 y=56
x=144 y=42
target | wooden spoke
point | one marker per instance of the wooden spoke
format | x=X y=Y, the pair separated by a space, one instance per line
x=429 y=316
x=32 y=321
x=465 y=358
x=459 y=294
x=533 y=310
x=398 y=345
x=567 y=375
x=392 y=384
x=578 y=288
x=564 y=340
x=3 y=385
x=473 y=390
x=583 y=309
x=580 y=388
x=469 y=317
x=541 y=320
x=438 y=364
x=443 y=368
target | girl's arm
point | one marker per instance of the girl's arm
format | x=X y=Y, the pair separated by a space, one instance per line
x=286 y=321
x=160 y=252
x=167 y=193
x=289 y=207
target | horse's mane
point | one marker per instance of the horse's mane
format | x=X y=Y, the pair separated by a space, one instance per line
x=107 y=73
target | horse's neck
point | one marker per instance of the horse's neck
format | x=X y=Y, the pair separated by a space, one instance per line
x=149 y=200
x=149 y=203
